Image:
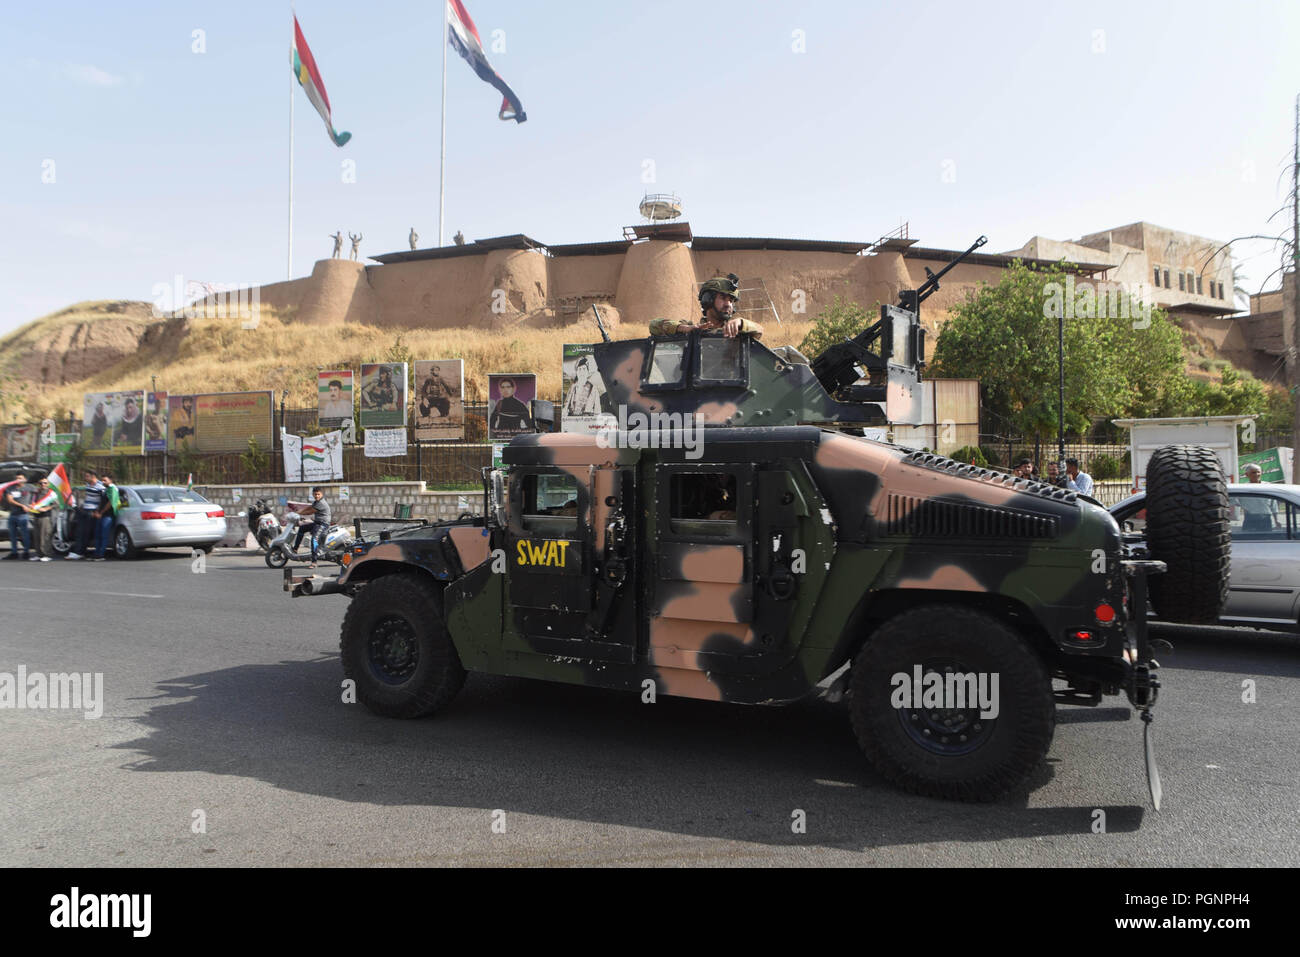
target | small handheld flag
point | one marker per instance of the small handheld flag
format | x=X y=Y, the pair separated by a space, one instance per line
x=304 y=68
x=464 y=39
x=189 y=483
x=59 y=482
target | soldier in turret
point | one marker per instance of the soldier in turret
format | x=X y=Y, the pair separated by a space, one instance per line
x=718 y=299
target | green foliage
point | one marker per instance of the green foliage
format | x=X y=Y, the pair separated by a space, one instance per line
x=74 y=462
x=837 y=322
x=1108 y=466
x=971 y=455
x=1006 y=337
x=991 y=455
x=187 y=460
x=124 y=468
x=255 y=460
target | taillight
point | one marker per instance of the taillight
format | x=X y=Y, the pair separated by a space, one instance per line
x=219 y=513
x=1105 y=613
x=157 y=515
x=1080 y=636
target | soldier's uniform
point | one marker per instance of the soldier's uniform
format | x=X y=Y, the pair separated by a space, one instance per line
x=708 y=293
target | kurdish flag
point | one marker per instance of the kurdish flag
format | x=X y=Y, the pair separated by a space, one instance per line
x=310 y=450
x=59 y=482
x=304 y=68
x=189 y=482
x=464 y=39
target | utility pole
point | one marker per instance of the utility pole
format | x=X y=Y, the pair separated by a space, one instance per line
x=1293 y=380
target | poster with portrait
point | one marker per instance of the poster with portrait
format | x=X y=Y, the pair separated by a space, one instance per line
x=509 y=405
x=334 y=397
x=439 y=399
x=20 y=441
x=180 y=422
x=155 y=422
x=383 y=394
x=226 y=421
x=113 y=422
x=586 y=403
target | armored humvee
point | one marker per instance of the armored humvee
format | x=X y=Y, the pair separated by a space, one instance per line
x=760 y=559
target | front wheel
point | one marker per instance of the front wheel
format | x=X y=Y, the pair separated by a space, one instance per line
x=397 y=650
x=277 y=557
x=951 y=703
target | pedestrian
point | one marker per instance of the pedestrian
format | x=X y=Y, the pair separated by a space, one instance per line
x=1054 y=474
x=109 y=505
x=42 y=512
x=1077 y=481
x=1024 y=468
x=1254 y=474
x=319 y=509
x=15 y=498
x=92 y=494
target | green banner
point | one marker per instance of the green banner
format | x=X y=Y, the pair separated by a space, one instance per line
x=1270 y=460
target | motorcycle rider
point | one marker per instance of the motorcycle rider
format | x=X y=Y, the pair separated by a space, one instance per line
x=319 y=510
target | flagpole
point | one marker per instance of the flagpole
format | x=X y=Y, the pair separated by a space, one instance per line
x=292 y=80
x=442 y=163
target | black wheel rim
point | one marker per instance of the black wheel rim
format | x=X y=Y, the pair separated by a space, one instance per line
x=393 y=650
x=949 y=732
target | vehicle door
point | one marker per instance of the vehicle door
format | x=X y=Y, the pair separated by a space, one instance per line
x=1264 y=583
x=551 y=565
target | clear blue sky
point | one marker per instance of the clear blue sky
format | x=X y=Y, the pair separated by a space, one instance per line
x=168 y=161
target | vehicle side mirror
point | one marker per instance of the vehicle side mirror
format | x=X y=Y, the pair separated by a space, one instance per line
x=497 y=503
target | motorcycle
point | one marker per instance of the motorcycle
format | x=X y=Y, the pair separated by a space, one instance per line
x=263 y=523
x=338 y=541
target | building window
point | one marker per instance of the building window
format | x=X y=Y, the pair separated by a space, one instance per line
x=1182 y=282
x=1166 y=278
x=1157 y=275
x=1198 y=286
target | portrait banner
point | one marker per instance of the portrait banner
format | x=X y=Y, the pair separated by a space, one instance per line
x=439 y=399
x=155 y=422
x=383 y=395
x=586 y=403
x=334 y=397
x=509 y=398
x=113 y=422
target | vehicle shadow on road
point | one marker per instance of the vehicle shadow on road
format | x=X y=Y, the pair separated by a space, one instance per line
x=1244 y=651
x=680 y=766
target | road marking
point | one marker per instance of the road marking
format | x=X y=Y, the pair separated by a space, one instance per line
x=63 y=591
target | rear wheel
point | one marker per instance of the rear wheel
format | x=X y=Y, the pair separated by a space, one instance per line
x=123 y=547
x=945 y=745
x=1188 y=529
x=397 y=650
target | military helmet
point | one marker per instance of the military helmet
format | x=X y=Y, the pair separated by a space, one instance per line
x=728 y=285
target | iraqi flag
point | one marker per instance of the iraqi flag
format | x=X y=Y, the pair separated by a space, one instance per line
x=304 y=68
x=464 y=39
x=59 y=482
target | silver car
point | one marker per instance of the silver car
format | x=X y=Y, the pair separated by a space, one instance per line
x=166 y=516
x=1264 y=584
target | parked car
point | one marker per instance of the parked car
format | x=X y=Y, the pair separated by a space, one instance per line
x=166 y=516
x=1264 y=579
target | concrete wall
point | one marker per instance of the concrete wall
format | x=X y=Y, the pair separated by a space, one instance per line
x=367 y=500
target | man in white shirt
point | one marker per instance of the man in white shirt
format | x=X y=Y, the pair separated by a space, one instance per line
x=1077 y=481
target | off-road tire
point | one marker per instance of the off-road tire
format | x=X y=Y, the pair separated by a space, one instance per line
x=1188 y=529
x=395 y=647
x=1006 y=748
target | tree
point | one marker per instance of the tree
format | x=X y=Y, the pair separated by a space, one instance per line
x=1121 y=356
x=839 y=321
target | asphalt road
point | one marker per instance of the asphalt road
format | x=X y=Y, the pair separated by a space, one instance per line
x=222 y=708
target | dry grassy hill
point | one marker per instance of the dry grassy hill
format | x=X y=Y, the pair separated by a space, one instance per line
x=112 y=346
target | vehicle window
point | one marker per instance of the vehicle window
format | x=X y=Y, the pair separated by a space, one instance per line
x=721 y=359
x=182 y=495
x=1258 y=518
x=667 y=362
x=152 y=496
x=551 y=504
x=703 y=503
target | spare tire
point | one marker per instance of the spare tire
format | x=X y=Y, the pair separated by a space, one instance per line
x=1188 y=529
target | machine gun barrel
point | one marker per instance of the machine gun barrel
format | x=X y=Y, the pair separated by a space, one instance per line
x=912 y=298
